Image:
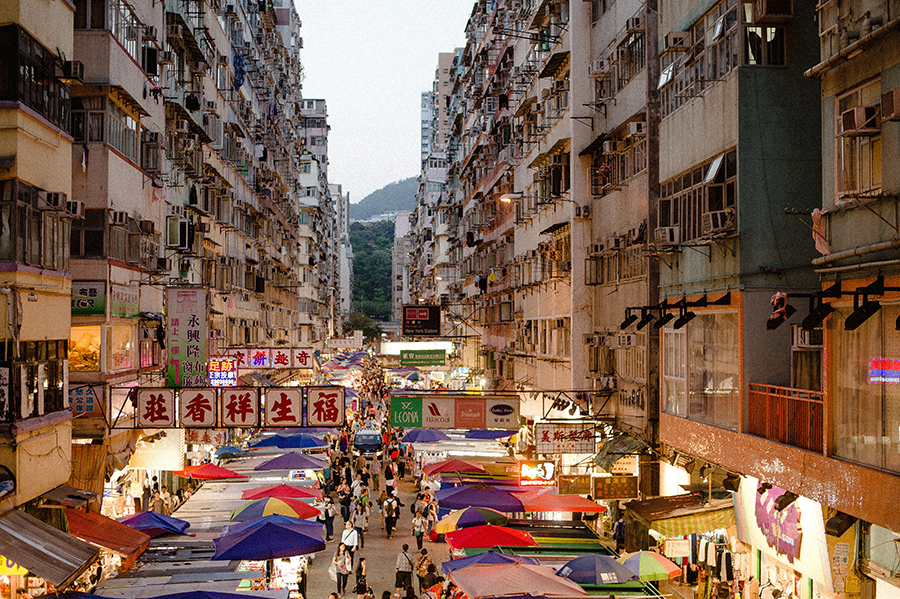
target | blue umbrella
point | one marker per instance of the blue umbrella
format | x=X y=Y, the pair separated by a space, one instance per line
x=489 y=557
x=488 y=434
x=595 y=569
x=423 y=435
x=272 y=441
x=235 y=527
x=227 y=449
x=155 y=524
x=292 y=461
x=301 y=441
x=270 y=540
x=202 y=595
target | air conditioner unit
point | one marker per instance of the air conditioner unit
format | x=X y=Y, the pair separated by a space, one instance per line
x=890 y=105
x=610 y=147
x=637 y=129
x=596 y=249
x=537 y=107
x=148 y=227
x=634 y=24
x=599 y=68
x=75 y=208
x=678 y=41
x=181 y=126
x=556 y=159
x=150 y=137
x=860 y=121
x=717 y=221
x=166 y=57
x=561 y=85
x=210 y=105
x=667 y=236
x=163 y=263
x=589 y=339
x=625 y=340
x=73 y=72
x=118 y=217
x=229 y=10
x=176 y=210
x=56 y=200
x=149 y=33
x=615 y=243
x=804 y=339
x=203 y=227
x=585 y=211
x=173 y=32
x=215 y=334
x=773 y=11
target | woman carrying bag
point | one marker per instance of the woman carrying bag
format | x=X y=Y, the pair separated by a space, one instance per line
x=361 y=585
x=341 y=565
x=419 y=526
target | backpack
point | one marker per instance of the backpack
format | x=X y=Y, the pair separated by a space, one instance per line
x=389 y=509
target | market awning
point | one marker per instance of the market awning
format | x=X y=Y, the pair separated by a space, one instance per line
x=683 y=514
x=107 y=533
x=69 y=496
x=49 y=553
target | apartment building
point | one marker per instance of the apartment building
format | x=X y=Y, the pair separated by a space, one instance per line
x=400 y=266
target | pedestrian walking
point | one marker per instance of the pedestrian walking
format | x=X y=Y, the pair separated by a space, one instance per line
x=422 y=569
x=158 y=505
x=619 y=534
x=350 y=538
x=342 y=562
x=361 y=584
x=431 y=516
x=431 y=576
x=359 y=523
x=404 y=565
x=375 y=471
x=329 y=511
x=419 y=525
x=391 y=512
x=345 y=496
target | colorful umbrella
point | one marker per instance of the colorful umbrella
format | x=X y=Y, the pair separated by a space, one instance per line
x=487 y=536
x=227 y=450
x=550 y=502
x=647 y=565
x=480 y=495
x=293 y=461
x=488 y=434
x=274 y=505
x=208 y=472
x=281 y=491
x=269 y=540
x=155 y=524
x=595 y=569
x=297 y=523
x=505 y=580
x=452 y=465
x=488 y=557
x=423 y=435
x=468 y=517
x=202 y=595
x=300 y=441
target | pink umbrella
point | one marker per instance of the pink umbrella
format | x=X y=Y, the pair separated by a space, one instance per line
x=507 y=580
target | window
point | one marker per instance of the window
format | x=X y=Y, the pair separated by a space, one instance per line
x=858 y=156
x=38 y=377
x=122 y=131
x=701 y=370
x=84 y=348
x=88 y=234
x=711 y=187
x=631 y=58
x=28 y=234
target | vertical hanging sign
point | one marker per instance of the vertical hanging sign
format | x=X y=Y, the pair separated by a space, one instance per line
x=187 y=331
x=325 y=406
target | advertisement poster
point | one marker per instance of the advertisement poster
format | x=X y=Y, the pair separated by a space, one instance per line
x=88 y=298
x=187 y=331
x=124 y=302
x=455 y=411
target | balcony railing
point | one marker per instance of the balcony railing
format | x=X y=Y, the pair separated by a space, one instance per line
x=785 y=415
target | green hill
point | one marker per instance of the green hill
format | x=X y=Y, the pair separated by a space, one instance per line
x=372 y=247
x=395 y=197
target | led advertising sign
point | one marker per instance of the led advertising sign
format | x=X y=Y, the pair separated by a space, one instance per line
x=540 y=473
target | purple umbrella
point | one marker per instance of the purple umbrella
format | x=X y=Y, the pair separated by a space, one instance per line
x=478 y=495
x=292 y=461
x=424 y=435
x=155 y=524
x=489 y=557
x=595 y=569
x=270 y=540
x=488 y=434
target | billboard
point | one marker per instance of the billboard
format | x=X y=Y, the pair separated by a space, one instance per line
x=455 y=410
x=421 y=321
x=187 y=330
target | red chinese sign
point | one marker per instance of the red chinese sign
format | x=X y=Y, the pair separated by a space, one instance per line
x=198 y=408
x=155 y=408
x=209 y=436
x=325 y=406
x=284 y=407
x=302 y=357
x=281 y=358
x=239 y=407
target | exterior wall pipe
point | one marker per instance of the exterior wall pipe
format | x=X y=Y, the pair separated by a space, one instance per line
x=859 y=251
x=857 y=46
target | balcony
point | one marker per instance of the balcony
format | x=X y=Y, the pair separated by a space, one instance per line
x=790 y=416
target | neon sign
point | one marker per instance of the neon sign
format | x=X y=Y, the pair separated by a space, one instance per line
x=222 y=372
x=537 y=474
x=883 y=370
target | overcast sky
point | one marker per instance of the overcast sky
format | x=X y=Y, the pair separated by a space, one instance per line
x=371 y=60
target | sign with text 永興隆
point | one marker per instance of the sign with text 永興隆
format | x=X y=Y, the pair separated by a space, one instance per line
x=552 y=438
x=325 y=406
x=284 y=407
x=88 y=298
x=422 y=357
x=124 y=301
x=187 y=331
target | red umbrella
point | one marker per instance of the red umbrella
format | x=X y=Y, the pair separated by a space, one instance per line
x=208 y=472
x=452 y=465
x=281 y=491
x=550 y=502
x=487 y=536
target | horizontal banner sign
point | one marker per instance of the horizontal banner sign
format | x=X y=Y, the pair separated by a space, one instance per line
x=554 y=438
x=455 y=411
x=271 y=357
x=239 y=407
x=422 y=357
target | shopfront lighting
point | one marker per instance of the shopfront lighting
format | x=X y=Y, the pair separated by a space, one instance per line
x=646 y=318
x=816 y=316
x=663 y=320
x=861 y=314
x=630 y=318
x=685 y=318
x=763 y=487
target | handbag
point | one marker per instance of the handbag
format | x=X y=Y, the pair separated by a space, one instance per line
x=332 y=571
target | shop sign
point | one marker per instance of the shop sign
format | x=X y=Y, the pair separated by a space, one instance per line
x=840 y=566
x=222 y=372
x=85 y=401
x=501 y=412
x=343 y=343
x=208 y=436
x=88 y=298
x=241 y=356
x=325 y=406
x=421 y=321
x=187 y=330
x=574 y=484
x=261 y=357
x=541 y=473
x=406 y=412
x=284 y=407
x=781 y=529
x=281 y=358
x=239 y=407
x=422 y=357
x=124 y=302
x=564 y=437
x=438 y=412
x=198 y=408
x=615 y=487
x=882 y=370
x=626 y=465
x=673 y=548
x=455 y=410
x=156 y=408
x=271 y=357
x=11 y=568
x=302 y=357
x=470 y=413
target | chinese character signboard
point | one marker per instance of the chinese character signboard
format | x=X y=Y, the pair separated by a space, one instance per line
x=574 y=484
x=239 y=407
x=198 y=408
x=325 y=406
x=302 y=357
x=281 y=358
x=187 y=331
x=85 y=401
x=88 y=297
x=421 y=321
x=124 y=302
x=260 y=357
x=564 y=437
x=241 y=356
x=209 y=436
x=284 y=407
x=422 y=357
x=615 y=487
x=541 y=473
x=455 y=410
x=222 y=372
x=155 y=408
x=625 y=465
x=677 y=548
